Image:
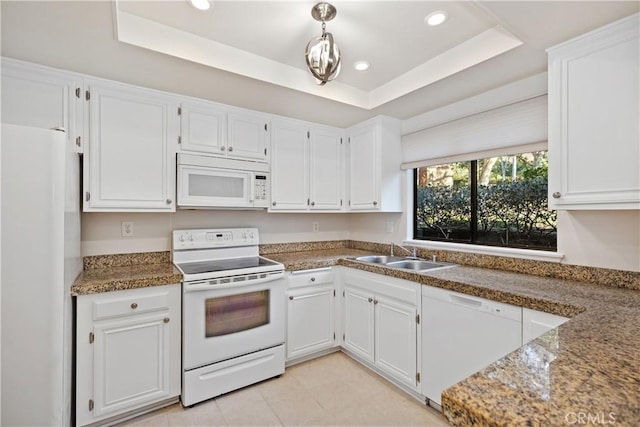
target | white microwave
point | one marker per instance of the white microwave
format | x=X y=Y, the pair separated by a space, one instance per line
x=211 y=182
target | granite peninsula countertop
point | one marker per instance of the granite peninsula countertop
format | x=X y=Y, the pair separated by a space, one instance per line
x=585 y=371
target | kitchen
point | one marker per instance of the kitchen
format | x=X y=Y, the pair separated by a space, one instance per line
x=603 y=238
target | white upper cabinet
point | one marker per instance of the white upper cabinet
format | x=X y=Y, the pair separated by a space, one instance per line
x=594 y=119
x=289 y=165
x=42 y=97
x=306 y=167
x=326 y=168
x=248 y=135
x=203 y=128
x=129 y=163
x=375 y=177
x=219 y=130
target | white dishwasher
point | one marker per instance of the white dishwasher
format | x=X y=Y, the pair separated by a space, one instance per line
x=462 y=334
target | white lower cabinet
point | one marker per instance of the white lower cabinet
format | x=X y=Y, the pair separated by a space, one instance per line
x=536 y=323
x=127 y=352
x=380 y=317
x=311 y=312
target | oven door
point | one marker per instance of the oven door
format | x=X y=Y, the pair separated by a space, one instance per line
x=210 y=187
x=223 y=321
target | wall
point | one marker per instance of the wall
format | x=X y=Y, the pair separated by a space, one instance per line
x=101 y=232
x=606 y=239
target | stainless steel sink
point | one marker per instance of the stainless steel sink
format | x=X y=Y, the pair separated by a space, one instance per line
x=405 y=263
x=379 y=259
x=418 y=265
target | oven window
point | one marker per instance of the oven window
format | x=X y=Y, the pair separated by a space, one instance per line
x=236 y=313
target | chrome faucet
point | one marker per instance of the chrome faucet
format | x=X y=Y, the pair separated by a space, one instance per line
x=411 y=251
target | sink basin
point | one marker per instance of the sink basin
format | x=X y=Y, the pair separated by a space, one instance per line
x=418 y=265
x=379 y=259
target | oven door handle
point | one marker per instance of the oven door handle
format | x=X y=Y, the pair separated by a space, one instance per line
x=205 y=285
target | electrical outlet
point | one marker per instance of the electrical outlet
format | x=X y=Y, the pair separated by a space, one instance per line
x=316 y=226
x=127 y=228
x=389 y=226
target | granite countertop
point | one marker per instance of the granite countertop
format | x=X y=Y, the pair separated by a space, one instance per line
x=586 y=369
x=306 y=260
x=117 y=278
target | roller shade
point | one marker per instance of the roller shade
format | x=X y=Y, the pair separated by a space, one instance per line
x=516 y=128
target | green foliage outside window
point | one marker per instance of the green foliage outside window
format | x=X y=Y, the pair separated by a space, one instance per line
x=510 y=202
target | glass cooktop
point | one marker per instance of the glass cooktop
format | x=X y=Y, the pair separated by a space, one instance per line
x=224 y=265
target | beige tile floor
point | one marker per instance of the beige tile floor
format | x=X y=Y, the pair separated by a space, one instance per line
x=329 y=391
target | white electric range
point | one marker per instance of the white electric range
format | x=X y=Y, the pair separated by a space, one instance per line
x=233 y=311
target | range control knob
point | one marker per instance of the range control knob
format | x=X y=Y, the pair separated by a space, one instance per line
x=191 y=237
x=181 y=238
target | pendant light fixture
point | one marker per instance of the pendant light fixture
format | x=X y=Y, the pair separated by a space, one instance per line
x=322 y=54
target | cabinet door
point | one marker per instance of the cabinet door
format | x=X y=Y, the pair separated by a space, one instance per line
x=203 y=128
x=131 y=158
x=43 y=98
x=364 y=168
x=248 y=136
x=289 y=166
x=594 y=120
x=536 y=323
x=131 y=363
x=358 y=318
x=325 y=163
x=310 y=321
x=127 y=351
x=395 y=338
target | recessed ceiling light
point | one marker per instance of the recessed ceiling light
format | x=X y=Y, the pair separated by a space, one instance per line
x=361 y=65
x=436 y=18
x=200 y=4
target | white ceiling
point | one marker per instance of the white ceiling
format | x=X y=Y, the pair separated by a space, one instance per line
x=250 y=54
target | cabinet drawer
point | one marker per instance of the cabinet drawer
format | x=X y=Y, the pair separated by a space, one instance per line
x=313 y=277
x=124 y=305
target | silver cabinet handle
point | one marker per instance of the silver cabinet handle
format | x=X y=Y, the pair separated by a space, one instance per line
x=375 y=301
x=273 y=203
x=168 y=201
x=556 y=195
x=313 y=203
x=375 y=203
x=134 y=305
x=165 y=320
x=223 y=148
x=370 y=299
x=313 y=279
x=291 y=298
x=230 y=148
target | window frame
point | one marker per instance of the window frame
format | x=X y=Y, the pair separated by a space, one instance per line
x=472 y=242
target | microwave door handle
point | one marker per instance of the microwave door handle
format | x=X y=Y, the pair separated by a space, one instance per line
x=252 y=186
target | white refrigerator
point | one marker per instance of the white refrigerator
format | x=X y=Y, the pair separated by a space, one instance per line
x=40 y=259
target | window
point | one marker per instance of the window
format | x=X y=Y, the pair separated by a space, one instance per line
x=496 y=201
